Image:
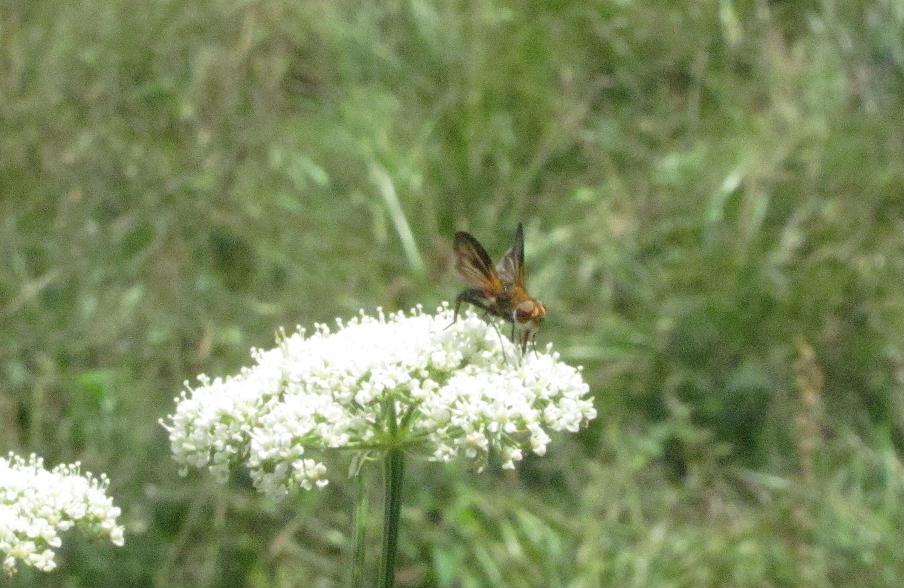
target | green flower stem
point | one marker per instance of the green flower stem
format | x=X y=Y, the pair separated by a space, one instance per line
x=393 y=469
x=360 y=523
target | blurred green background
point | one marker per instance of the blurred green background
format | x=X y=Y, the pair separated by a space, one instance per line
x=713 y=196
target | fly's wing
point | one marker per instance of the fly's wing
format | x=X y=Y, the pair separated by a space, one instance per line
x=511 y=267
x=475 y=266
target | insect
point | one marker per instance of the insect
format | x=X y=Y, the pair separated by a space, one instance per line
x=499 y=290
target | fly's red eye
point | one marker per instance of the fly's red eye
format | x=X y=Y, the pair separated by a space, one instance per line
x=524 y=312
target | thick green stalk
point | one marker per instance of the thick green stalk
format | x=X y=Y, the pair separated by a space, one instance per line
x=393 y=469
x=360 y=523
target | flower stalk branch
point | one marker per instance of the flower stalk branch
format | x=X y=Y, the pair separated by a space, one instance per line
x=360 y=533
x=393 y=474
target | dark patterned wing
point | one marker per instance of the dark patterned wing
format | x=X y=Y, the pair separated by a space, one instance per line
x=475 y=266
x=511 y=267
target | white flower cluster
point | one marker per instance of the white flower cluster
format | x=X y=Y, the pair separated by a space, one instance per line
x=37 y=504
x=403 y=380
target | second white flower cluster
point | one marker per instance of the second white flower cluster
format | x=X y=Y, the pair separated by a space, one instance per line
x=408 y=380
x=37 y=504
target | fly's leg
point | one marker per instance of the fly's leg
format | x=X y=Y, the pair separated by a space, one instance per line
x=501 y=342
x=471 y=296
x=458 y=301
x=529 y=340
x=476 y=298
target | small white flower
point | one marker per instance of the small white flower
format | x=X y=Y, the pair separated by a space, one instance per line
x=37 y=504
x=452 y=391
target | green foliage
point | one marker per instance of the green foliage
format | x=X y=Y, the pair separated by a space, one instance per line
x=708 y=188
